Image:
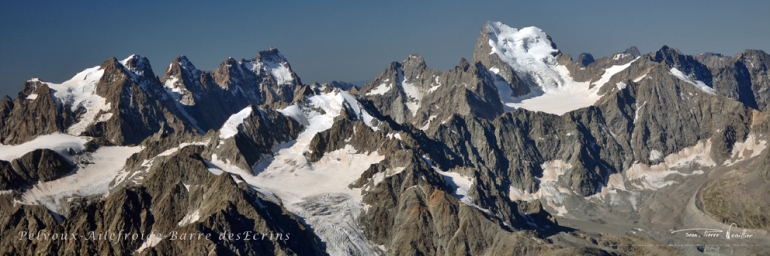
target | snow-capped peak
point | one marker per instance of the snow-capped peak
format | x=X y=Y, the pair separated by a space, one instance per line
x=271 y=55
x=138 y=67
x=273 y=62
x=135 y=63
x=186 y=67
x=529 y=39
x=531 y=54
x=185 y=63
x=127 y=59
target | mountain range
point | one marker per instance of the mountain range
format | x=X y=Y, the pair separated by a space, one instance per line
x=521 y=151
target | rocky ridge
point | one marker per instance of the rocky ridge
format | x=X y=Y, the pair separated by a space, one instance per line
x=417 y=161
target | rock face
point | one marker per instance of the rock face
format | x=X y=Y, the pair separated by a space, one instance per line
x=585 y=59
x=409 y=92
x=712 y=60
x=25 y=118
x=179 y=196
x=744 y=78
x=38 y=165
x=120 y=101
x=142 y=107
x=124 y=102
x=256 y=136
x=467 y=161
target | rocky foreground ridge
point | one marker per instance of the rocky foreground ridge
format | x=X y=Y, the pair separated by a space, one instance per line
x=522 y=151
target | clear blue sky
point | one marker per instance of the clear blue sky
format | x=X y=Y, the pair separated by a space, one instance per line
x=348 y=40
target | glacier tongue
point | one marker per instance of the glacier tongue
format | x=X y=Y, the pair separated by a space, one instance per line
x=304 y=187
x=90 y=179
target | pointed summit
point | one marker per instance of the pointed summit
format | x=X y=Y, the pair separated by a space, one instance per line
x=528 y=51
x=667 y=54
x=181 y=66
x=274 y=63
x=464 y=65
x=182 y=81
x=184 y=62
x=230 y=73
x=6 y=100
x=528 y=39
x=110 y=63
x=271 y=55
x=585 y=59
x=414 y=59
x=633 y=51
x=139 y=65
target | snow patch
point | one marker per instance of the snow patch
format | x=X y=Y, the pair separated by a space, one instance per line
x=190 y=218
x=151 y=240
x=58 y=142
x=104 y=117
x=230 y=128
x=747 y=149
x=654 y=177
x=697 y=83
x=560 y=210
x=394 y=135
x=621 y=85
x=176 y=91
x=655 y=155
x=460 y=184
x=549 y=186
x=413 y=94
x=357 y=108
x=619 y=56
x=436 y=86
x=611 y=71
x=380 y=176
x=380 y=90
x=427 y=124
x=639 y=109
x=295 y=112
x=331 y=104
